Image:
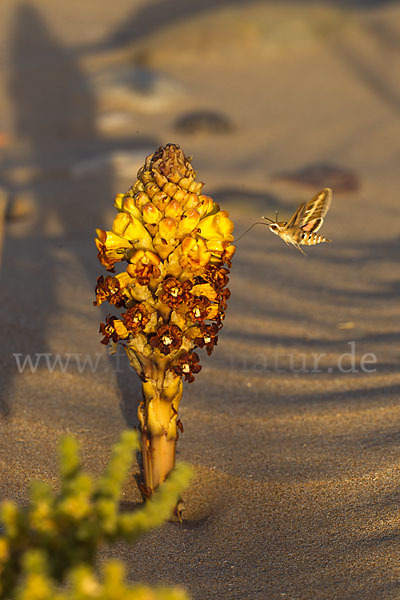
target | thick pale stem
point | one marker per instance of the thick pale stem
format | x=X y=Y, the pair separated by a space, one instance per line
x=158 y=459
x=158 y=413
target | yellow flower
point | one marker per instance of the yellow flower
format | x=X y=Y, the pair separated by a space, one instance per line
x=217 y=226
x=188 y=222
x=174 y=209
x=112 y=248
x=195 y=254
x=144 y=266
x=125 y=203
x=165 y=240
x=151 y=214
x=205 y=205
x=132 y=229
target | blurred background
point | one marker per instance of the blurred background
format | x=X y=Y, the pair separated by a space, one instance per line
x=261 y=93
x=275 y=101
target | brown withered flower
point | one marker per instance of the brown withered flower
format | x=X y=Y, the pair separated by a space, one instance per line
x=187 y=366
x=223 y=297
x=108 y=289
x=226 y=256
x=113 y=329
x=216 y=276
x=104 y=259
x=136 y=318
x=167 y=339
x=199 y=309
x=174 y=292
x=208 y=337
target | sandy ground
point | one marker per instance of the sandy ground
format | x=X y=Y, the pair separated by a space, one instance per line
x=297 y=490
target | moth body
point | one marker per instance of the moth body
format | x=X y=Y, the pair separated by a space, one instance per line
x=311 y=239
x=302 y=227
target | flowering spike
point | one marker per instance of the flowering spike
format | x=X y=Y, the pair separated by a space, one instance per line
x=175 y=242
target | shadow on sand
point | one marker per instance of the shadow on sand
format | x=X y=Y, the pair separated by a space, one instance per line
x=55 y=127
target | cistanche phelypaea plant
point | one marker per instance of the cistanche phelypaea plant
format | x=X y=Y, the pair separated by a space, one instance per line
x=174 y=244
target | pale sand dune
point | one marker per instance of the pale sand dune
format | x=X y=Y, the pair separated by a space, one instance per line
x=297 y=488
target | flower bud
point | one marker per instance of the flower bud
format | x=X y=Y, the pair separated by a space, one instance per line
x=128 y=206
x=188 y=222
x=205 y=205
x=167 y=228
x=151 y=189
x=165 y=240
x=174 y=209
x=185 y=182
x=151 y=214
x=145 y=176
x=160 y=200
x=191 y=201
x=140 y=199
x=195 y=187
x=138 y=186
x=160 y=179
x=180 y=195
x=118 y=201
x=170 y=189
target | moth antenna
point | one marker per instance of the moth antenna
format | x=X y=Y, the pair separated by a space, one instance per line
x=268 y=219
x=251 y=227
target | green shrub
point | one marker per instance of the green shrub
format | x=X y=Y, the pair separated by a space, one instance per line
x=54 y=541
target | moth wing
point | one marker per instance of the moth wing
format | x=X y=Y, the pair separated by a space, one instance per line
x=313 y=226
x=316 y=210
x=297 y=216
